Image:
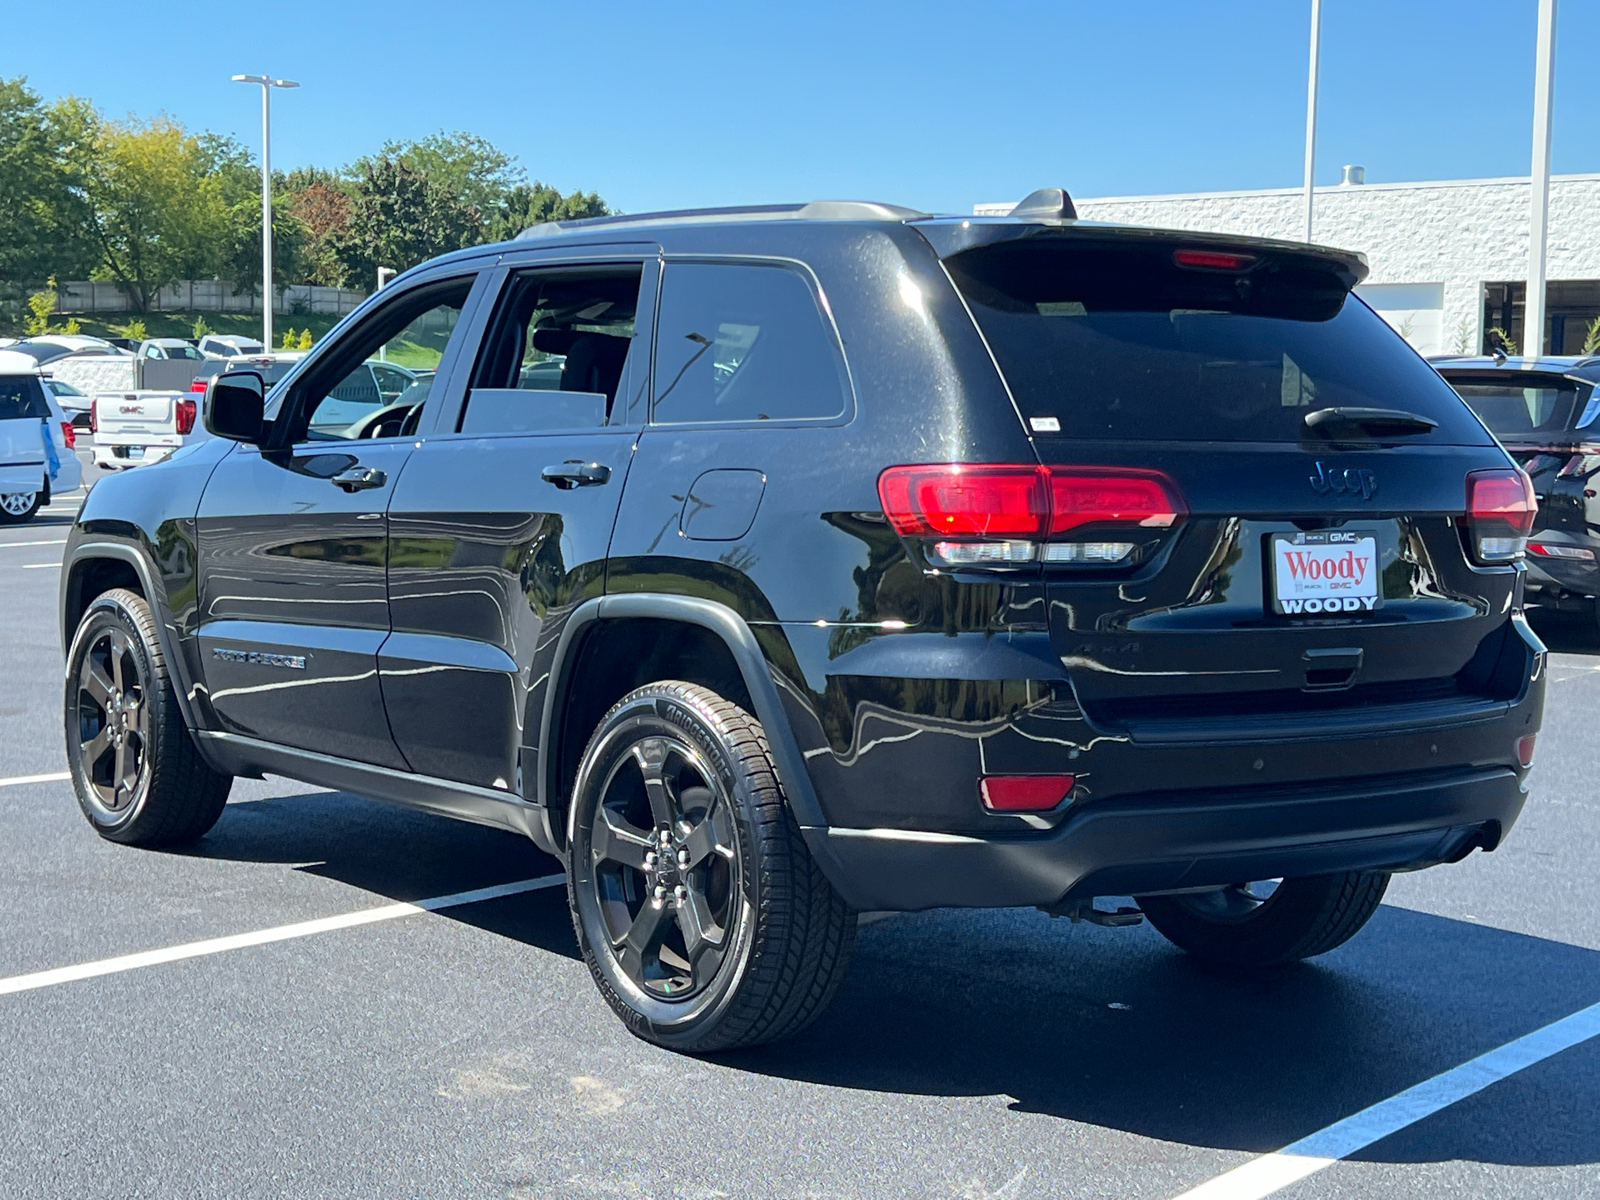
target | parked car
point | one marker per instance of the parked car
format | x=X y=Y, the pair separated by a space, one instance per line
x=1546 y=412
x=77 y=405
x=50 y=348
x=36 y=442
x=862 y=560
x=169 y=348
x=229 y=345
x=270 y=366
x=135 y=429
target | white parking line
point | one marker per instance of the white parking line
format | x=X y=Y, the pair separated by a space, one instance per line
x=1271 y=1172
x=39 y=566
x=14 y=545
x=260 y=937
x=51 y=778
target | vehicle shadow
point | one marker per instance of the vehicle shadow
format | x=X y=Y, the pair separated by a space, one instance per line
x=1565 y=632
x=1112 y=1028
x=404 y=855
x=1116 y=1029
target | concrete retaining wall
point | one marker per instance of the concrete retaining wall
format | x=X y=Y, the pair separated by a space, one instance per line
x=205 y=295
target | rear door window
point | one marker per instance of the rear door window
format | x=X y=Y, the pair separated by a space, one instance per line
x=740 y=342
x=1118 y=342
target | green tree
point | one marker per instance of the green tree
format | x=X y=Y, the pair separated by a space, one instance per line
x=42 y=228
x=477 y=171
x=535 y=203
x=399 y=217
x=155 y=200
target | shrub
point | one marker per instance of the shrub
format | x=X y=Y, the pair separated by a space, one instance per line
x=306 y=341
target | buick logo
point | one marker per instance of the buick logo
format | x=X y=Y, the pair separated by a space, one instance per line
x=1347 y=481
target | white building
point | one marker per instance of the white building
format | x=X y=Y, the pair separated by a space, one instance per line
x=1449 y=259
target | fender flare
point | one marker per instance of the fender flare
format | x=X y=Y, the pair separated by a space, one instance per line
x=155 y=596
x=726 y=624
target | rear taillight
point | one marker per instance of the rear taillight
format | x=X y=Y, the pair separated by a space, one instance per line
x=198 y=385
x=1500 y=511
x=186 y=414
x=1567 y=553
x=1007 y=516
x=94 y=416
x=1525 y=746
x=69 y=435
x=1212 y=260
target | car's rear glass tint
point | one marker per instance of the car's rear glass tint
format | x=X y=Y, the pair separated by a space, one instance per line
x=1546 y=408
x=1115 y=341
x=21 y=396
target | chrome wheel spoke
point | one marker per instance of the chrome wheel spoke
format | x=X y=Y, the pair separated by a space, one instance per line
x=703 y=938
x=119 y=647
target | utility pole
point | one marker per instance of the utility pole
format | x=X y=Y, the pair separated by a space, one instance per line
x=1544 y=80
x=1311 y=104
x=267 y=83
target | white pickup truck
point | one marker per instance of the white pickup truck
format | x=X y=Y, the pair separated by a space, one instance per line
x=133 y=428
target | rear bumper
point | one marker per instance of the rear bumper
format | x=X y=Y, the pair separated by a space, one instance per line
x=1160 y=842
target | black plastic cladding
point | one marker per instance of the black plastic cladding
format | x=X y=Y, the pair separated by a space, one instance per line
x=898 y=687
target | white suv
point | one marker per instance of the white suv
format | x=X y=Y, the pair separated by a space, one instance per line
x=37 y=459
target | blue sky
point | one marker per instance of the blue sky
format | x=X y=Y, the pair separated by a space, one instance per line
x=935 y=105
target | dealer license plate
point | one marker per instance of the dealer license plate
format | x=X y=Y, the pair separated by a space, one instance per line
x=1334 y=571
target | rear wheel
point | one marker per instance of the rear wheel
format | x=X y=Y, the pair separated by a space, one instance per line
x=704 y=920
x=1269 y=922
x=138 y=774
x=16 y=507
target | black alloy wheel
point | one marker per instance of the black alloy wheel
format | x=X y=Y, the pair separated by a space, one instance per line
x=697 y=906
x=139 y=777
x=1269 y=922
x=113 y=721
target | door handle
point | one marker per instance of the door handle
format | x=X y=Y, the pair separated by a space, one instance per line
x=359 y=479
x=576 y=474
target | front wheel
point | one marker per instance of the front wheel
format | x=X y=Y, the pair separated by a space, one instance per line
x=16 y=507
x=139 y=777
x=1271 y=922
x=700 y=912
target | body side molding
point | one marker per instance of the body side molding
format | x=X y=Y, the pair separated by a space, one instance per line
x=241 y=755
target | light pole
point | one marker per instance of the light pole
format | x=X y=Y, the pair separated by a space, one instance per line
x=1311 y=104
x=267 y=83
x=1544 y=72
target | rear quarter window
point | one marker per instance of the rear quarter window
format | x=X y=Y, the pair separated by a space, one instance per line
x=1117 y=342
x=741 y=342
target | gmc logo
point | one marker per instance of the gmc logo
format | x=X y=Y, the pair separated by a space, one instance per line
x=130 y=408
x=1349 y=481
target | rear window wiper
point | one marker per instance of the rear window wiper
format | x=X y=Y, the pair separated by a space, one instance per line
x=1373 y=422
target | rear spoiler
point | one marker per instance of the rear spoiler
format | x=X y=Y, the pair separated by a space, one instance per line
x=952 y=235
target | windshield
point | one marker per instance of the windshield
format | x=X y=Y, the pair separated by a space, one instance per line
x=1116 y=342
x=1554 y=409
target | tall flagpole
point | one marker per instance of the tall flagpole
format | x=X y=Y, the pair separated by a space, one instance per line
x=1544 y=70
x=1311 y=105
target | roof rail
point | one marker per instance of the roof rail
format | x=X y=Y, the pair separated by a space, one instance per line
x=815 y=210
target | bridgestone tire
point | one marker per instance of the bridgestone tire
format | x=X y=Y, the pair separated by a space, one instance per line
x=786 y=935
x=174 y=796
x=1301 y=919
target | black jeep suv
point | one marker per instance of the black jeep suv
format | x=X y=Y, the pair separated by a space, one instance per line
x=773 y=564
x=1546 y=412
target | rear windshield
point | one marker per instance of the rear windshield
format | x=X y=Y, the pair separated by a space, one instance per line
x=1551 y=409
x=21 y=396
x=1116 y=342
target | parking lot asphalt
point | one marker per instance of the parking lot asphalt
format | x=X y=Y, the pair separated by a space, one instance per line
x=464 y=1052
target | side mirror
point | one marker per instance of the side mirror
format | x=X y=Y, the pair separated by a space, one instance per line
x=235 y=404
